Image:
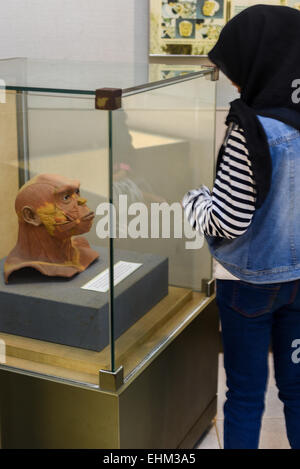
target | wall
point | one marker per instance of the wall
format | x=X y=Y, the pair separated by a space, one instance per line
x=106 y=30
x=114 y=30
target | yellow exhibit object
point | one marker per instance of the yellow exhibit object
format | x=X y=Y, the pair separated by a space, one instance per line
x=210 y=7
x=185 y=28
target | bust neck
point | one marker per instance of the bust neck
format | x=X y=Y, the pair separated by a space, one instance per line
x=36 y=244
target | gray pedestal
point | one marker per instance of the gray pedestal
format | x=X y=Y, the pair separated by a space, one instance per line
x=57 y=310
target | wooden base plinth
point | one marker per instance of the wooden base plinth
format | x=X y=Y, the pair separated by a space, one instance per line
x=130 y=349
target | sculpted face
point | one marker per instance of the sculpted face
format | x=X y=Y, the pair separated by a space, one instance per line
x=51 y=212
x=63 y=214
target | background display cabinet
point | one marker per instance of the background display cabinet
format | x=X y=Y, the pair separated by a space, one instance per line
x=108 y=322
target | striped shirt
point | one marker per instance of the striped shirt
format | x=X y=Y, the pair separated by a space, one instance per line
x=227 y=211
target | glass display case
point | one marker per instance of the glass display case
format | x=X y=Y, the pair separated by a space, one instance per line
x=100 y=272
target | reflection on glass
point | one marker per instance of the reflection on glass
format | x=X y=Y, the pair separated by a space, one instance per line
x=162 y=146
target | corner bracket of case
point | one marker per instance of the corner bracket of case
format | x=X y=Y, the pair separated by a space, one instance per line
x=108 y=99
x=111 y=381
x=214 y=75
x=208 y=286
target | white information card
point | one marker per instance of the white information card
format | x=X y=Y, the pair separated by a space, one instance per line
x=122 y=269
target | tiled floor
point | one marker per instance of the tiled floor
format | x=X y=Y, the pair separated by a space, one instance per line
x=273 y=434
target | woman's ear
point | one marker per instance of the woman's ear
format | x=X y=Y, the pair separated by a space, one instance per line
x=30 y=216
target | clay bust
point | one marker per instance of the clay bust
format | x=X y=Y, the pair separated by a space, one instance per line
x=50 y=212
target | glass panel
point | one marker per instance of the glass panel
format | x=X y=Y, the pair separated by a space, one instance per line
x=163 y=145
x=144 y=157
x=81 y=77
x=49 y=324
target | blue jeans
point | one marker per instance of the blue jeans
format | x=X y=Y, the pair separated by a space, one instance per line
x=252 y=316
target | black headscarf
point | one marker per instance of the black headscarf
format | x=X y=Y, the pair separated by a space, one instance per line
x=259 y=50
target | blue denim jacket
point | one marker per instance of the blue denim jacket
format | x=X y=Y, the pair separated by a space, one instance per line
x=269 y=251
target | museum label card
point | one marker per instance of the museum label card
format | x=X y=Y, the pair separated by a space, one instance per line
x=122 y=269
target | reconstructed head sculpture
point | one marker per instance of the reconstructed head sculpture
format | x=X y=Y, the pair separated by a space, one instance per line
x=51 y=212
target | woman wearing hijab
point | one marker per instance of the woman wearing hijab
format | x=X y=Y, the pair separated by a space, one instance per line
x=251 y=219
